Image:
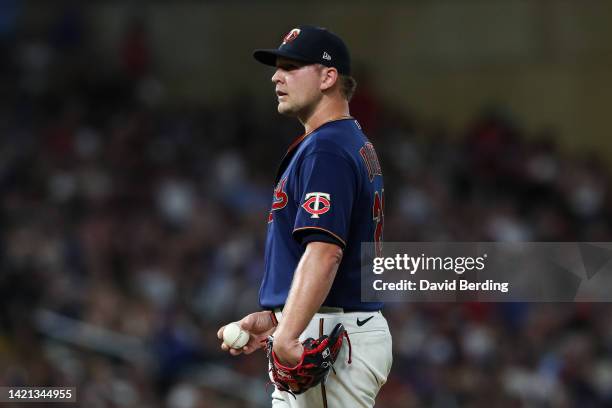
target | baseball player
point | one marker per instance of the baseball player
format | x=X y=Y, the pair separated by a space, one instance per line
x=328 y=199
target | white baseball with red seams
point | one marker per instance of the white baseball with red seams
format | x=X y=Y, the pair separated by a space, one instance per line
x=234 y=336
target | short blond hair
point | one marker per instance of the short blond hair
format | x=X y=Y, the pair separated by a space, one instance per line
x=348 y=84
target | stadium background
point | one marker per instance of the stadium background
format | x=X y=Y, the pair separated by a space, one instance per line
x=138 y=141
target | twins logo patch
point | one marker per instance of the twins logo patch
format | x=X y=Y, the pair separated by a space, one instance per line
x=317 y=204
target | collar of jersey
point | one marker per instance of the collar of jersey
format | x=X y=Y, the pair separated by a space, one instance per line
x=299 y=139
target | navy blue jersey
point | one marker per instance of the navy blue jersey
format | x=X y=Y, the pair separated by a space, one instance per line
x=330 y=187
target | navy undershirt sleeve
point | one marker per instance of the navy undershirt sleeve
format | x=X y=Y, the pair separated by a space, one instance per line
x=305 y=237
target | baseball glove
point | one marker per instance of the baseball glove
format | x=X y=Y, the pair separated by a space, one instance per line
x=317 y=360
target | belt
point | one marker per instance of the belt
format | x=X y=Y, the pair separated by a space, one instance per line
x=329 y=309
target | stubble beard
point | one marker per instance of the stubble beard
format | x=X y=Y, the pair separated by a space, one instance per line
x=293 y=110
x=288 y=109
x=284 y=109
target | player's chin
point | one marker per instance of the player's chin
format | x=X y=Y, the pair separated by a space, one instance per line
x=285 y=109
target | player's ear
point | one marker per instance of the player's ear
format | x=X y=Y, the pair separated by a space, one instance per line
x=329 y=77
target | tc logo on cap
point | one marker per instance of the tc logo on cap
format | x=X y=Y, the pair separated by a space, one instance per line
x=291 y=35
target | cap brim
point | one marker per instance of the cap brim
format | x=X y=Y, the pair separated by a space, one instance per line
x=268 y=57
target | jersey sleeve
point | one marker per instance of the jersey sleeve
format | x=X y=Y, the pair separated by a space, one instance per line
x=326 y=188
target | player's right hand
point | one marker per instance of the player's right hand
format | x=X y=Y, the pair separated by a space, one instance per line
x=259 y=325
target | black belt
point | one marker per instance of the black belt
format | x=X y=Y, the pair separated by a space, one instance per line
x=330 y=309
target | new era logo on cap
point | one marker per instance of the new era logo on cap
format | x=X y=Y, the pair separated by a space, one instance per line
x=312 y=45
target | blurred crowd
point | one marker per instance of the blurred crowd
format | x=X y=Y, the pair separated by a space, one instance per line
x=147 y=219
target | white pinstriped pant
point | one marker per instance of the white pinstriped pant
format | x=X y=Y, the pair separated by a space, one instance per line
x=353 y=385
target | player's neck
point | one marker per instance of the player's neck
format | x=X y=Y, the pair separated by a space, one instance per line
x=327 y=110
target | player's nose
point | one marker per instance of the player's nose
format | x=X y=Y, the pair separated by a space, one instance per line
x=277 y=77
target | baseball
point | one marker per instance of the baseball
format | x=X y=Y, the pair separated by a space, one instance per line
x=234 y=336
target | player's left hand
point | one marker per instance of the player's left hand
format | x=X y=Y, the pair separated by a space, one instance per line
x=288 y=350
x=298 y=373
